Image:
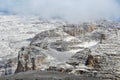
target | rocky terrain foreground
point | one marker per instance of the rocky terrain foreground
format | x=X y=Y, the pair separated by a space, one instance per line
x=47 y=75
x=55 y=50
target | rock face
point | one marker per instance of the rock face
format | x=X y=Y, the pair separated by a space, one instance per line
x=100 y=60
x=25 y=61
x=20 y=68
x=90 y=61
x=109 y=63
x=88 y=49
x=16 y=32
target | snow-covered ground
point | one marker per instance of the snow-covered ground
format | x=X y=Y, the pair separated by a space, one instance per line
x=54 y=45
x=17 y=31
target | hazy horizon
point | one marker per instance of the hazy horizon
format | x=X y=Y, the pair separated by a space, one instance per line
x=69 y=10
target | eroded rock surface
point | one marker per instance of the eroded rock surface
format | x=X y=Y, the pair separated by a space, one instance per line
x=88 y=49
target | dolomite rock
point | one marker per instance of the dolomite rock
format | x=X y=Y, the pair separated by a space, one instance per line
x=54 y=44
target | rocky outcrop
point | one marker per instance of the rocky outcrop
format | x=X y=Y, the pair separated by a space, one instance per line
x=106 y=57
x=25 y=62
x=20 y=67
x=85 y=50
x=90 y=61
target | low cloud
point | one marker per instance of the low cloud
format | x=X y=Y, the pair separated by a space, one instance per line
x=69 y=10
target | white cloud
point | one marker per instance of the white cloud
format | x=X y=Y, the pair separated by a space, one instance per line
x=70 y=10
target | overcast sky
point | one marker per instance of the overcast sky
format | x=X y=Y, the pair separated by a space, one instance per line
x=70 y=10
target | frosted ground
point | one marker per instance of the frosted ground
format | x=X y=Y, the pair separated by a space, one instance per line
x=16 y=32
x=61 y=42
